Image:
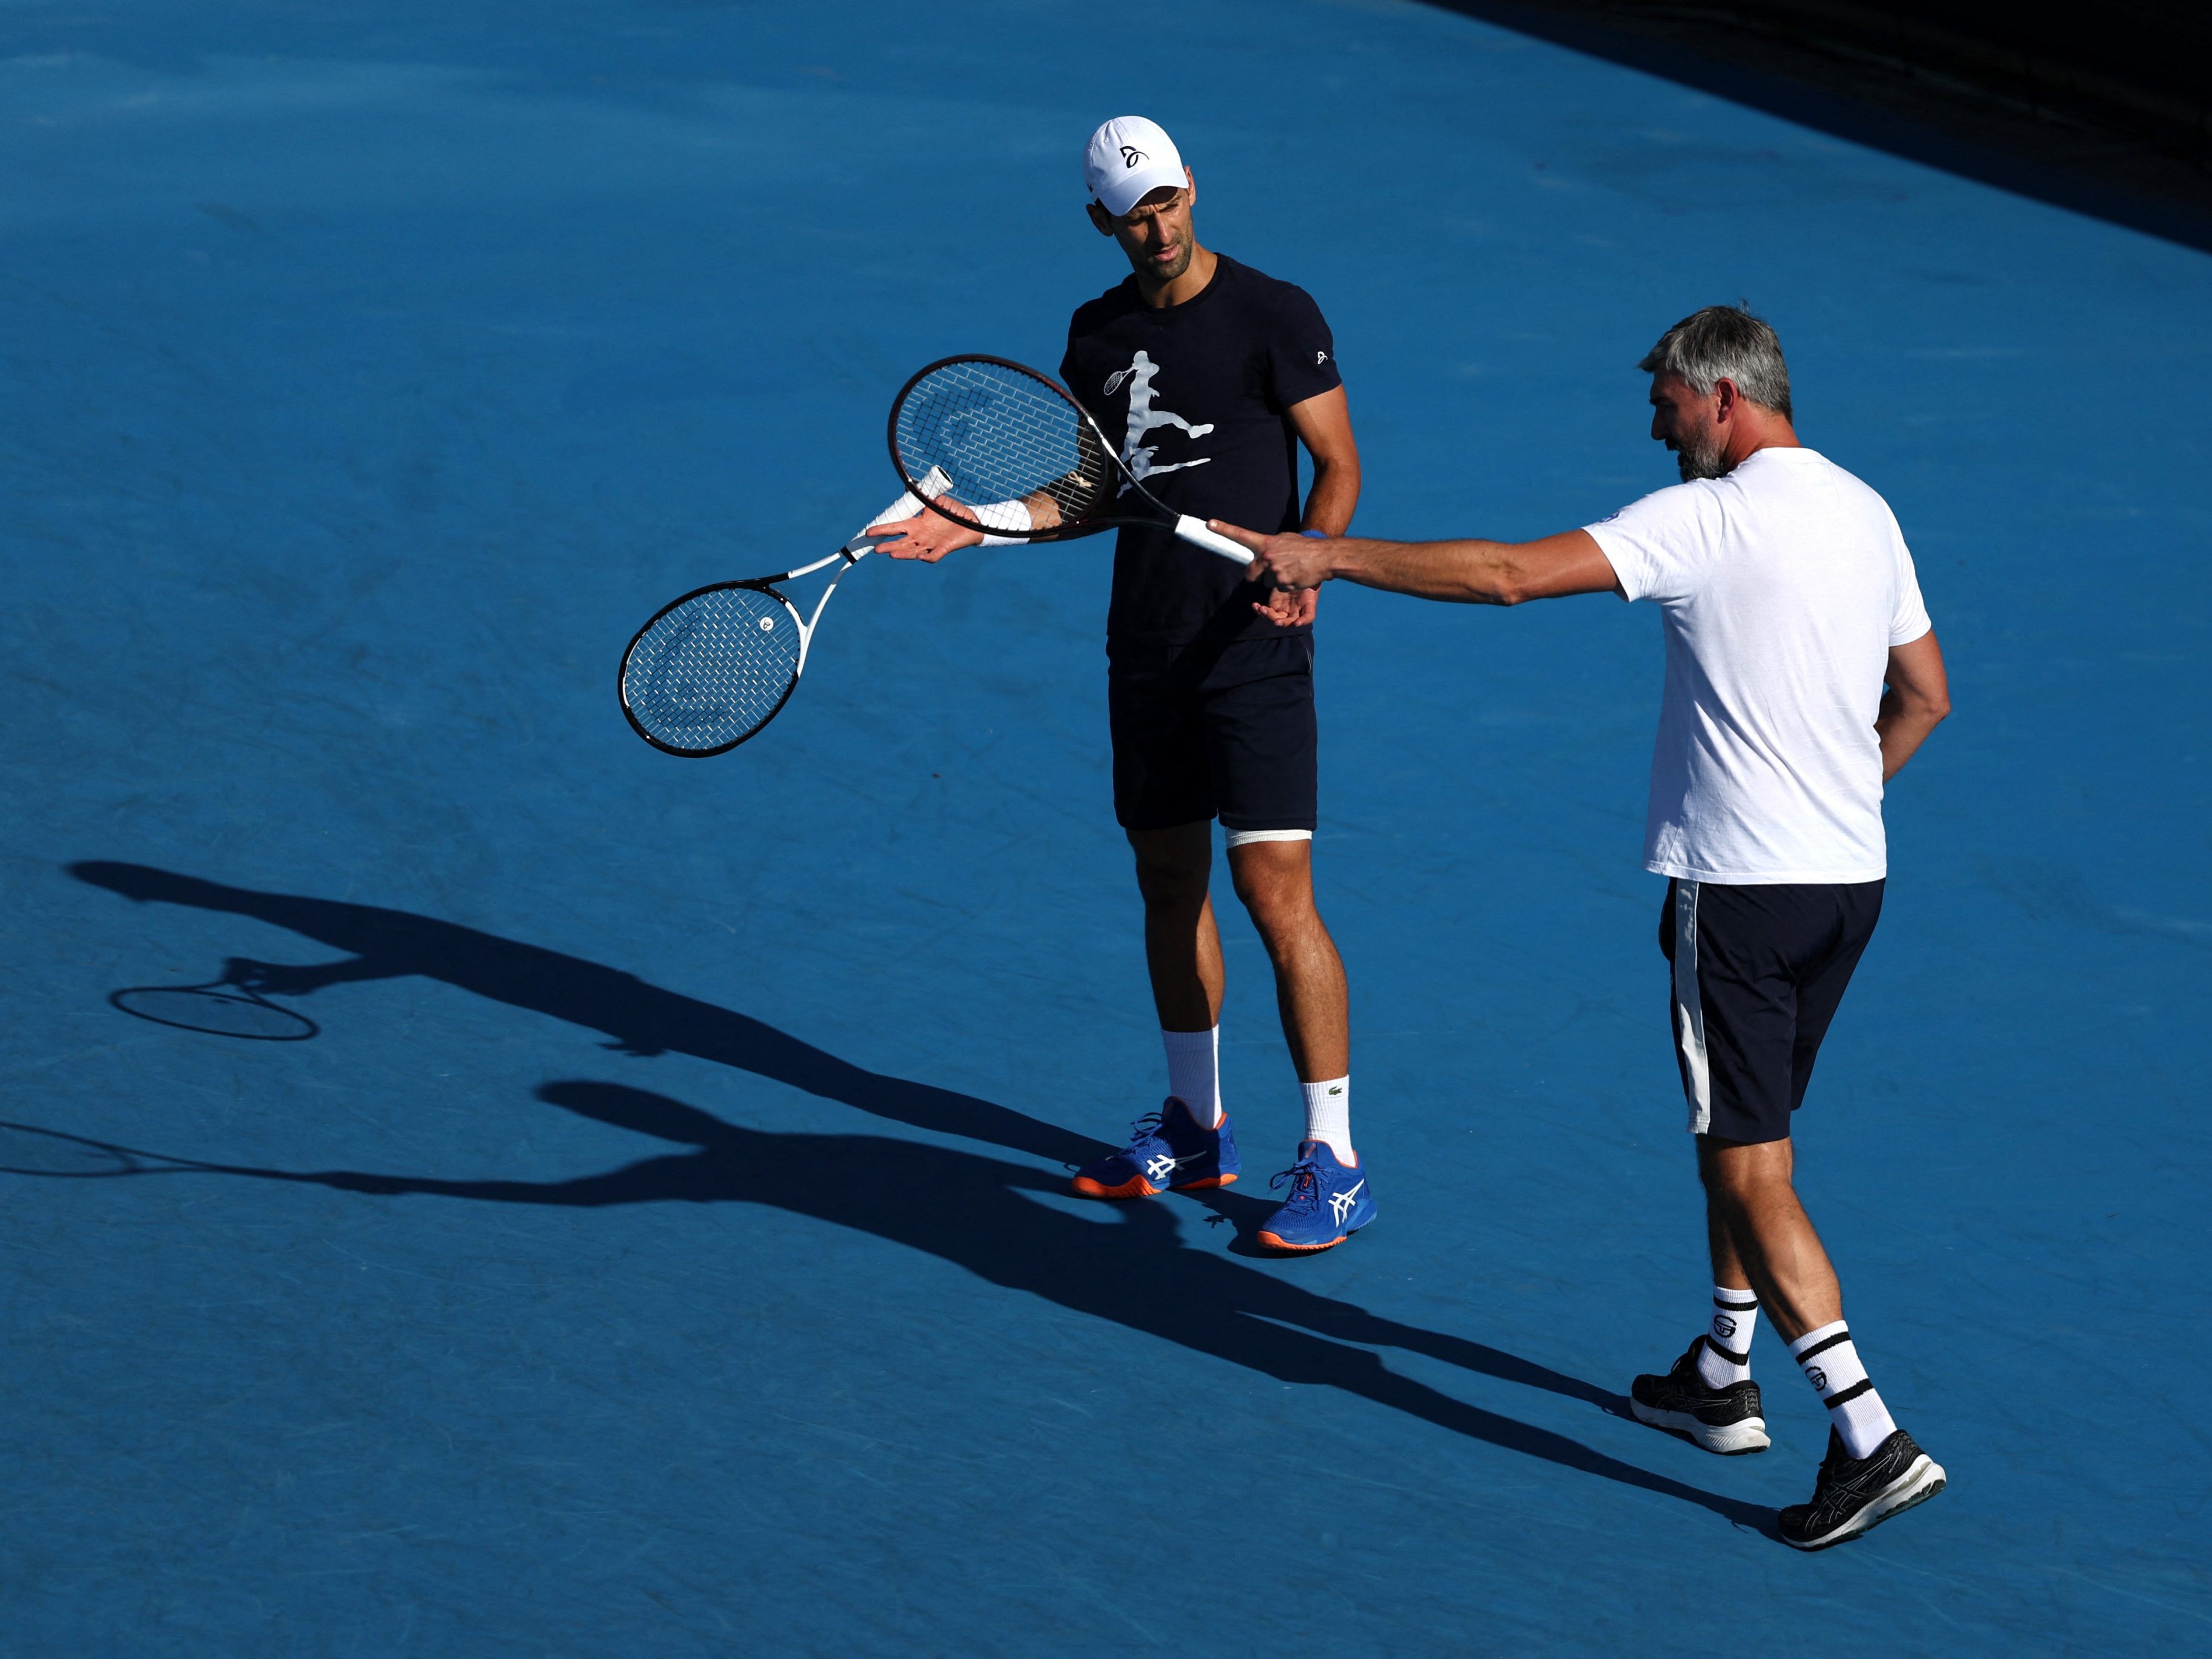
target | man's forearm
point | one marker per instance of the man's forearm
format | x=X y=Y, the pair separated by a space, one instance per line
x=1458 y=572
x=1044 y=510
x=1915 y=695
x=1902 y=726
x=1334 y=494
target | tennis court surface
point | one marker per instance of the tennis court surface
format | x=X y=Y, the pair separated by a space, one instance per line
x=575 y=1201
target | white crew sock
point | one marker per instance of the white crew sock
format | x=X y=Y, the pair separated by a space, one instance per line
x=1831 y=1364
x=1195 y=1072
x=1328 y=1116
x=1726 y=1357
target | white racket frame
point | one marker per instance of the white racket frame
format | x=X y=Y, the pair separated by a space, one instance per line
x=907 y=507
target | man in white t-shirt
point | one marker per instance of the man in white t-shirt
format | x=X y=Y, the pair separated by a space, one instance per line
x=1802 y=673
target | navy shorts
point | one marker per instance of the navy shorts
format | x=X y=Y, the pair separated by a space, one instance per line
x=1759 y=972
x=1222 y=732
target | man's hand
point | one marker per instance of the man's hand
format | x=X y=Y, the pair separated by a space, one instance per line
x=1294 y=561
x=1290 y=607
x=928 y=536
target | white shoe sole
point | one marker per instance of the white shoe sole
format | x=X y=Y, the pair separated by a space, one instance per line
x=1733 y=1441
x=1916 y=1485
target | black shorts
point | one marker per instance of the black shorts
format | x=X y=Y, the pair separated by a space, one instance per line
x=1222 y=732
x=1759 y=972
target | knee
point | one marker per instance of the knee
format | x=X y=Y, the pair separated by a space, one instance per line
x=1738 y=1179
x=1171 y=884
x=1281 y=910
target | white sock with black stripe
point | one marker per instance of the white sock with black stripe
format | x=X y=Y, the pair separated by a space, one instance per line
x=1831 y=1364
x=1726 y=1357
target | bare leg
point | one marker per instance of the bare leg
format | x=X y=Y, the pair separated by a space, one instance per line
x=1761 y=1234
x=1183 y=946
x=1275 y=881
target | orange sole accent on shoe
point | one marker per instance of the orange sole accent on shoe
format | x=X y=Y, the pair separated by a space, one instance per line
x=1275 y=1243
x=1136 y=1187
x=1209 y=1180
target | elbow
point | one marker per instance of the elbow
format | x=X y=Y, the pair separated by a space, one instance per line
x=1936 y=710
x=1503 y=578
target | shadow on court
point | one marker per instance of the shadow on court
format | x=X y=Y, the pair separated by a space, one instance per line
x=1122 y=1263
x=637 y=1018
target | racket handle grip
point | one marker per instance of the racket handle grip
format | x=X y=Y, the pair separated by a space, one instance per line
x=1194 y=532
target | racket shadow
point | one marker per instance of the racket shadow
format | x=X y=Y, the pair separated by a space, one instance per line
x=223 y=1007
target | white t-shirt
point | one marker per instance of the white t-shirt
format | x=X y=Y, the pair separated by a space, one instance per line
x=1783 y=586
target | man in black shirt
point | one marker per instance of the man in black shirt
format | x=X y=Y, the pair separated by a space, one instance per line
x=1213 y=374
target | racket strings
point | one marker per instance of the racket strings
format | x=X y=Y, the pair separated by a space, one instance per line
x=1000 y=434
x=712 y=672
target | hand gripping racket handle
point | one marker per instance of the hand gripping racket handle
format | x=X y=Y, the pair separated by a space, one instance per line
x=1194 y=532
x=933 y=483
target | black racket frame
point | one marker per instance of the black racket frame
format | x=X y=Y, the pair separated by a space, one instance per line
x=1063 y=532
x=752 y=584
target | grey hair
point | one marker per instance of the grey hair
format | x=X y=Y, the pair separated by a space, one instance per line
x=1724 y=343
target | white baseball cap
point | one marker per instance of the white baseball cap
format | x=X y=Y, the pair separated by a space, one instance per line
x=1127 y=160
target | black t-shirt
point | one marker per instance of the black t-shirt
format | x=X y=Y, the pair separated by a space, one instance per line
x=1198 y=396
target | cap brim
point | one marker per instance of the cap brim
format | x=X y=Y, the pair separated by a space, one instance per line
x=1125 y=189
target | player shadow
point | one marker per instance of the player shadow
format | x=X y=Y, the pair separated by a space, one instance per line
x=637 y=1017
x=1010 y=1225
x=983 y=1213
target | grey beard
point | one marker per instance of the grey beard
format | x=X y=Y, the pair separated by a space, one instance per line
x=1701 y=460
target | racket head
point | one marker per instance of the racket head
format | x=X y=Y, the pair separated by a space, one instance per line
x=712 y=668
x=996 y=430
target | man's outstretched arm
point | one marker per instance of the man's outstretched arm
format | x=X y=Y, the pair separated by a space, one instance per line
x=1457 y=571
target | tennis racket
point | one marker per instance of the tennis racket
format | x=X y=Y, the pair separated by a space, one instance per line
x=717 y=664
x=999 y=432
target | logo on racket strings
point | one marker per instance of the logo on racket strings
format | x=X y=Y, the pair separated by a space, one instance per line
x=1131 y=155
x=768 y=624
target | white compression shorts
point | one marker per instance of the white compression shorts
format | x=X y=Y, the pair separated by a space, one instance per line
x=1242 y=837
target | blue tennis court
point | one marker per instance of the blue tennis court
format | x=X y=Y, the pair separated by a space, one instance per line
x=630 y=1216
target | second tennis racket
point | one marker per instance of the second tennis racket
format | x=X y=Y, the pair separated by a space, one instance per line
x=1023 y=458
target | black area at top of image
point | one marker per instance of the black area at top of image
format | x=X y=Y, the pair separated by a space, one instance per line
x=2105 y=111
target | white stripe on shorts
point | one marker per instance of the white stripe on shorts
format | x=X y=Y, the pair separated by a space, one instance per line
x=1240 y=837
x=1689 y=1010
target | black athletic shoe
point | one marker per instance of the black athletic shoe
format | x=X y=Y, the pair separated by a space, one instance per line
x=1724 y=1420
x=1855 y=1494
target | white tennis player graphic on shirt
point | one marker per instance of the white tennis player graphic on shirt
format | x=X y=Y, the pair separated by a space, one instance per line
x=1136 y=454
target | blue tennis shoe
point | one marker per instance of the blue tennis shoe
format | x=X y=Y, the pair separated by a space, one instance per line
x=1168 y=1152
x=1327 y=1203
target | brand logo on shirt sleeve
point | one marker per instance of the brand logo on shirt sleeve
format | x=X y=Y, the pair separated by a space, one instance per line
x=1321 y=356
